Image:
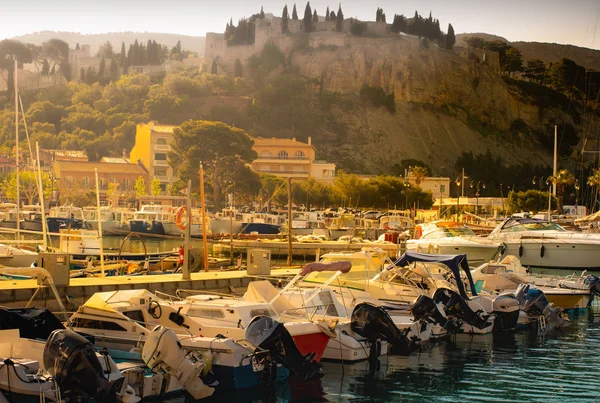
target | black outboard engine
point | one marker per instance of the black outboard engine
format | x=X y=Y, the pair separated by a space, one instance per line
x=456 y=306
x=594 y=283
x=268 y=334
x=374 y=323
x=534 y=302
x=425 y=309
x=71 y=360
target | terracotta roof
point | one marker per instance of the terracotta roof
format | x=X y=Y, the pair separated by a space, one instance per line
x=103 y=167
x=262 y=142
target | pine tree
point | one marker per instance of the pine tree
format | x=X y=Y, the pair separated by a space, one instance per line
x=315 y=17
x=45 y=68
x=294 y=13
x=102 y=68
x=262 y=13
x=450 y=38
x=327 y=14
x=307 y=20
x=284 y=20
x=339 y=21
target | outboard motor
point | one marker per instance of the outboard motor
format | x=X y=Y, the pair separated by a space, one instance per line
x=425 y=309
x=534 y=302
x=594 y=283
x=163 y=351
x=71 y=360
x=268 y=334
x=457 y=306
x=374 y=323
x=507 y=309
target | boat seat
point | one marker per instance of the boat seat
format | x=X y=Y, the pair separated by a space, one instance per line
x=479 y=286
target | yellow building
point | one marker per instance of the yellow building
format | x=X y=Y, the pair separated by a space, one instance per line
x=290 y=158
x=152 y=143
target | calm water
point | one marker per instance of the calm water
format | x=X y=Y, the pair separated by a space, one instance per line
x=562 y=366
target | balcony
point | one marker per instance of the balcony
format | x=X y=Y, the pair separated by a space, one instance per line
x=162 y=147
x=276 y=159
x=162 y=178
x=161 y=163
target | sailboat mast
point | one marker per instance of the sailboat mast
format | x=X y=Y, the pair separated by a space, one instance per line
x=17 y=157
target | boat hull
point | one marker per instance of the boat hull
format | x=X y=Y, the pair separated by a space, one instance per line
x=555 y=254
x=312 y=343
x=476 y=254
x=569 y=299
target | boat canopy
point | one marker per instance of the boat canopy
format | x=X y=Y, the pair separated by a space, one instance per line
x=454 y=262
x=343 y=265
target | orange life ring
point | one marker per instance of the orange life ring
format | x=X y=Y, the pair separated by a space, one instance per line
x=418 y=232
x=178 y=216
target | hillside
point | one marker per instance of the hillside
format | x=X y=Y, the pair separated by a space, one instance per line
x=548 y=52
x=192 y=43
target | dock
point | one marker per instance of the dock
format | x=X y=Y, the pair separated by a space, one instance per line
x=301 y=249
x=17 y=293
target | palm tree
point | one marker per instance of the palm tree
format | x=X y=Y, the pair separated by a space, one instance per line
x=418 y=173
x=561 y=180
x=594 y=180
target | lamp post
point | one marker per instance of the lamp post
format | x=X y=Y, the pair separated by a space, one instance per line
x=458 y=182
x=576 y=197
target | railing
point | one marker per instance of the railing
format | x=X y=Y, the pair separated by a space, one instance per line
x=161 y=163
x=162 y=147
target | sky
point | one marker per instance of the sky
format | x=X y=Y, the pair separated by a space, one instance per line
x=573 y=22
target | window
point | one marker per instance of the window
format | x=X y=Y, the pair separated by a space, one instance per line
x=85 y=182
x=70 y=180
x=442 y=188
x=261 y=312
x=136 y=316
x=300 y=155
x=161 y=141
x=325 y=172
x=160 y=171
x=125 y=184
x=283 y=155
x=266 y=154
x=97 y=324
x=206 y=313
x=160 y=157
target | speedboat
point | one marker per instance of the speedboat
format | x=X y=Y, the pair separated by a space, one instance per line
x=567 y=292
x=452 y=238
x=540 y=243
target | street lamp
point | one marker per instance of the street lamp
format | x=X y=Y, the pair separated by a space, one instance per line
x=458 y=182
x=576 y=196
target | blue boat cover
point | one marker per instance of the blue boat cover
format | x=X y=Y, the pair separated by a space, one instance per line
x=454 y=262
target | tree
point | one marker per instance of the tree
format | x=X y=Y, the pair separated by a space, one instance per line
x=307 y=20
x=294 y=13
x=315 y=17
x=418 y=173
x=140 y=187
x=530 y=200
x=332 y=16
x=476 y=42
x=238 y=70
x=82 y=75
x=327 y=14
x=45 y=68
x=155 y=188
x=114 y=69
x=284 y=19
x=339 y=20
x=513 y=60
x=28 y=186
x=222 y=149
x=450 y=37
x=214 y=69
x=102 y=68
x=11 y=50
x=357 y=27
x=262 y=13
x=536 y=71
x=123 y=56
x=562 y=179
x=594 y=181
x=400 y=24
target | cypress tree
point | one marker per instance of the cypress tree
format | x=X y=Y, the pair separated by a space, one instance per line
x=238 y=70
x=262 y=13
x=45 y=68
x=102 y=68
x=284 y=20
x=214 y=68
x=113 y=67
x=339 y=21
x=294 y=13
x=82 y=75
x=332 y=16
x=327 y=14
x=307 y=20
x=123 y=55
x=450 y=37
x=315 y=16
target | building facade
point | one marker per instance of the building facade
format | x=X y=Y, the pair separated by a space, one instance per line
x=290 y=158
x=83 y=174
x=152 y=143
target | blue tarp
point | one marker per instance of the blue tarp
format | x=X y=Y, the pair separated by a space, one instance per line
x=454 y=262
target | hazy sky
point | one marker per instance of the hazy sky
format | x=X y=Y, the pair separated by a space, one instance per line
x=570 y=22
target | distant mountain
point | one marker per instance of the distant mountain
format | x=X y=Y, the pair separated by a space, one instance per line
x=548 y=52
x=193 y=43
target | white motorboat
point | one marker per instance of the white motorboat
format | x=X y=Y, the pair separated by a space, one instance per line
x=568 y=292
x=113 y=220
x=452 y=238
x=540 y=243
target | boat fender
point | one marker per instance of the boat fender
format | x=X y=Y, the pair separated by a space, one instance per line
x=520 y=250
x=542 y=250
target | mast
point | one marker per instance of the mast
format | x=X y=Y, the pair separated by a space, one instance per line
x=17 y=158
x=555 y=160
x=203 y=217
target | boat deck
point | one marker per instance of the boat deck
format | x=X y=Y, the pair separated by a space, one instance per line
x=16 y=293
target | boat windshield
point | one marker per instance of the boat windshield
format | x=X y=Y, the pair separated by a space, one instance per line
x=536 y=226
x=449 y=233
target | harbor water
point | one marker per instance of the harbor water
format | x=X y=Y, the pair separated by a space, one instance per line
x=561 y=366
